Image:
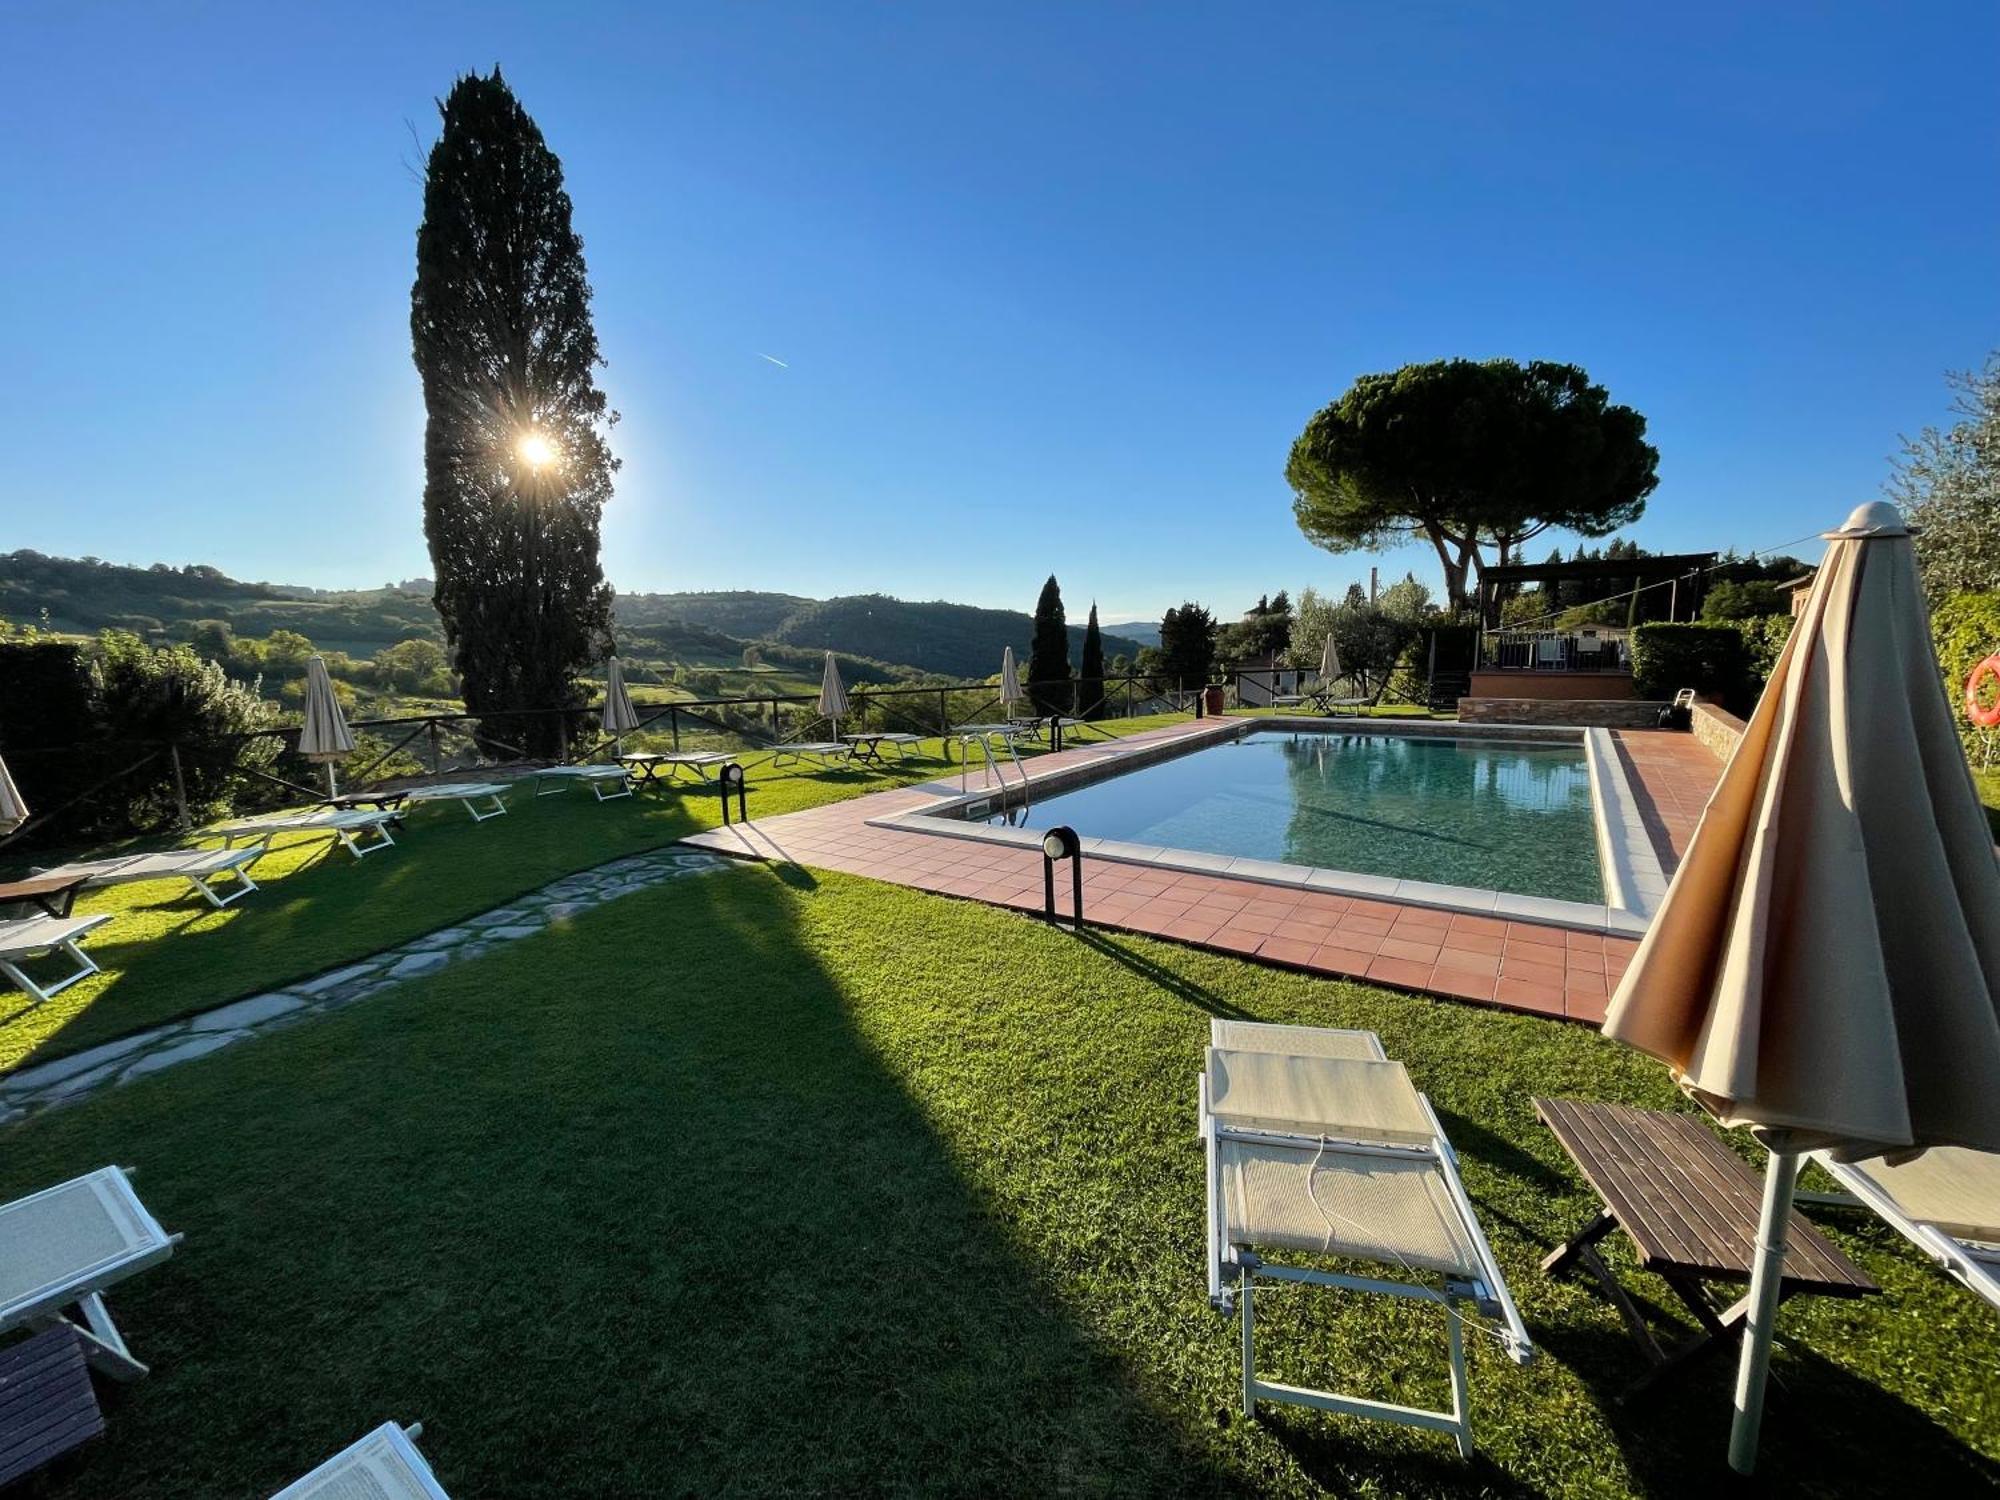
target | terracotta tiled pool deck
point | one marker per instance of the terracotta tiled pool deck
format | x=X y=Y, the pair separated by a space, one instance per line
x=1527 y=966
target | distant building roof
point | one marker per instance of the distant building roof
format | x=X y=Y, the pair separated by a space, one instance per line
x=1797 y=583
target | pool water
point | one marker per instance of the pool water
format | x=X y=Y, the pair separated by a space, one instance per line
x=1492 y=814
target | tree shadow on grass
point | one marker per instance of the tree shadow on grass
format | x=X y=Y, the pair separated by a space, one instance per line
x=630 y=1209
x=1327 y=1452
x=1176 y=984
x=168 y=954
x=1502 y=1154
x=1674 y=1434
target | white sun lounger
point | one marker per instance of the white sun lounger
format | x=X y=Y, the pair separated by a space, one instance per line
x=60 y=1248
x=1330 y=1151
x=31 y=937
x=220 y=876
x=1295 y=1041
x=385 y=1465
x=550 y=780
x=1946 y=1202
x=483 y=799
x=822 y=753
x=343 y=824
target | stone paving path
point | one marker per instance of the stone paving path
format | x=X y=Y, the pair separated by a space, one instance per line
x=84 y=1073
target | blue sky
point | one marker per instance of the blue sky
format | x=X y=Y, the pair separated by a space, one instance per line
x=1056 y=286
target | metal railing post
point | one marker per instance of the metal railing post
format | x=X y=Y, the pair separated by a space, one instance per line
x=944 y=721
x=436 y=756
x=674 y=720
x=180 y=790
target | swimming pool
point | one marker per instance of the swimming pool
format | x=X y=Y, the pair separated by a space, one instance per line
x=1486 y=813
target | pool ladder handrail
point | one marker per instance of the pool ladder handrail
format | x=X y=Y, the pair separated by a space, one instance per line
x=995 y=770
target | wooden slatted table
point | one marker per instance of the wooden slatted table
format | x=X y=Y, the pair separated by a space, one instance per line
x=47 y=1405
x=54 y=894
x=1690 y=1206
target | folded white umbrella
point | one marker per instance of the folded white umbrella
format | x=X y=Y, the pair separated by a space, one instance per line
x=325 y=735
x=832 y=695
x=1329 y=663
x=13 y=806
x=618 y=717
x=1825 y=965
x=1010 y=682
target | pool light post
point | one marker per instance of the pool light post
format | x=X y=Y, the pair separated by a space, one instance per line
x=734 y=784
x=1062 y=844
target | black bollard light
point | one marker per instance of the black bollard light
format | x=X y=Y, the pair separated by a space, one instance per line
x=1062 y=843
x=734 y=783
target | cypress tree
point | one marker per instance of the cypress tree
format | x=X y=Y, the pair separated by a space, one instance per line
x=1090 y=679
x=1048 y=656
x=516 y=463
x=1187 y=646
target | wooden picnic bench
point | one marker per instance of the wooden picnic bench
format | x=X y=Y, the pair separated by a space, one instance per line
x=54 y=894
x=47 y=1404
x=1690 y=1206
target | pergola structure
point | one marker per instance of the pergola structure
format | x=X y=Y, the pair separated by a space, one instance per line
x=1683 y=577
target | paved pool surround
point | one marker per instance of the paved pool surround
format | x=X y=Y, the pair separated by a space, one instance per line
x=1633 y=879
x=1523 y=953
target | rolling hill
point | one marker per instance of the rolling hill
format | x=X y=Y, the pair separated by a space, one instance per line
x=710 y=629
x=955 y=640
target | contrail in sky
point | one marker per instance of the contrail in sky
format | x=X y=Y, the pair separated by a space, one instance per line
x=775 y=360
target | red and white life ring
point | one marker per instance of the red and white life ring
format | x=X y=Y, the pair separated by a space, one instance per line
x=1986 y=716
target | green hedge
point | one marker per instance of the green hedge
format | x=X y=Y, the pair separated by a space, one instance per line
x=1711 y=659
x=1764 y=638
x=48 y=718
x=1965 y=630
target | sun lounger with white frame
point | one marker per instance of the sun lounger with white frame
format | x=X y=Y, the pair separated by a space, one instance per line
x=1946 y=1202
x=62 y=1247
x=219 y=876
x=823 y=753
x=1326 y=1149
x=349 y=826
x=25 y=938
x=482 y=799
x=384 y=1465
x=550 y=780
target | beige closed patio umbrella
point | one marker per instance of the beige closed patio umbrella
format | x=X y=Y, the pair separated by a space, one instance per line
x=1825 y=965
x=324 y=736
x=1329 y=663
x=13 y=806
x=832 y=695
x=1010 y=682
x=618 y=718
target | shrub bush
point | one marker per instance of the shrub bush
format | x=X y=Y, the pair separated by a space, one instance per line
x=48 y=719
x=79 y=714
x=1711 y=659
x=1965 y=629
x=1764 y=638
x=149 y=695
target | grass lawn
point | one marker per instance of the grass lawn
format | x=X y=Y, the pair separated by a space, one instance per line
x=170 y=955
x=1988 y=783
x=777 y=1182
